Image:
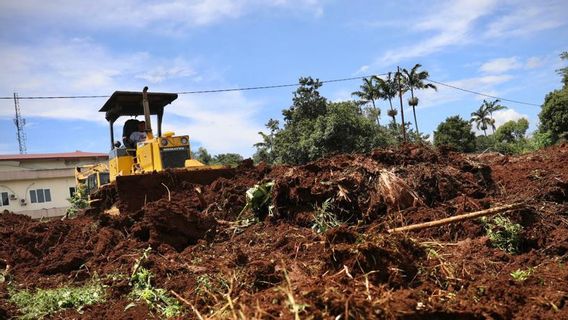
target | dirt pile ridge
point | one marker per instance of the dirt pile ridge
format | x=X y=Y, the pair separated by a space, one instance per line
x=278 y=265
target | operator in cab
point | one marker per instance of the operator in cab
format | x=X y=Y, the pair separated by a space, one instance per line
x=140 y=135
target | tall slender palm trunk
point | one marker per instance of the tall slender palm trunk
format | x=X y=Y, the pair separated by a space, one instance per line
x=414 y=112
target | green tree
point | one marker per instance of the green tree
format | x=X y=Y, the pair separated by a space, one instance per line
x=341 y=130
x=369 y=92
x=512 y=131
x=228 y=159
x=564 y=71
x=307 y=102
x=554 y=115
x=264 y=149
x=202 y=155
x=481 y=118
x=455 y=132
x=414 y=79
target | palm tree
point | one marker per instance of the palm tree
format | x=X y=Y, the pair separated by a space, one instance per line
x=492 y=107
x=369 y=92
x=414 y=79
x=387 y=89
x=481 y=118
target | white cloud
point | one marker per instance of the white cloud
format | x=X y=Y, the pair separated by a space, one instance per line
x=527 y=17
x=162 y=16
x=221 y=122
x=459 y=23
x=450 y=24
x=503 y=116
x=362 y=70
x=534 y=62
x=500 y=65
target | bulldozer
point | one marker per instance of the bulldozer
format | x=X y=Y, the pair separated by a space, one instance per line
x=145 y=171
x=91 y=177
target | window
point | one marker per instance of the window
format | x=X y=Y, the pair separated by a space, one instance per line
x=4 y=200
x=40 y=195
x=71 y=192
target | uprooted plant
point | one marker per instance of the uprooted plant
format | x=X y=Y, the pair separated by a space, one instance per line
x=155 y=298
x=79 y=201
x=503 y=233
x=520 y=275
x=325 y=218
x=258 y=199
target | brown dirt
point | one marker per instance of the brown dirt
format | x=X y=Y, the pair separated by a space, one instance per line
x=354 y=271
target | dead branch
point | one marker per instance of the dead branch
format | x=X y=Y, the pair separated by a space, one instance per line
x=180 y=298
x=467 y=216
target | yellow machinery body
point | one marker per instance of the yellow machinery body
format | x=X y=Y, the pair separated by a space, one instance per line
x=140 y=172
x=155 y=154
x=91 y=177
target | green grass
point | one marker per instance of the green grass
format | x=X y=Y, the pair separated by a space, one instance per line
x=43 y=302
x=155 y=298
x=324 y=218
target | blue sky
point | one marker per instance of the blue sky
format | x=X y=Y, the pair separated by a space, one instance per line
x=504 y=48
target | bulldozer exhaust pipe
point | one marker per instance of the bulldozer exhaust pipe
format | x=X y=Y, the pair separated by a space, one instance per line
x=146 y=106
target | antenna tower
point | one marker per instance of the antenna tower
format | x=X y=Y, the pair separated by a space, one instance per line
x=19 y=122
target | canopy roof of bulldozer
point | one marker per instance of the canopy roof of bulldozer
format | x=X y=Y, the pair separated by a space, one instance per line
x=129 y=103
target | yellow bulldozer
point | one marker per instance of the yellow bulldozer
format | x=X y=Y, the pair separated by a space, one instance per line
x=91 y=177
x=144 y=171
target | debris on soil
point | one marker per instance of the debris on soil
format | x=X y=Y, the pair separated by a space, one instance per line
x=220 y=263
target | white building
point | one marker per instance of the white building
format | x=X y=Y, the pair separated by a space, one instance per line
x=39 y=185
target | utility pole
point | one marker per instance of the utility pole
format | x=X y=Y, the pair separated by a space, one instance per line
x=19 y=122
x=398 y=75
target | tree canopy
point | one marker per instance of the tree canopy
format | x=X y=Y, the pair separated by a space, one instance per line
x=455 y=132
x=554 y=115
x=314 y=127
x=512 y=131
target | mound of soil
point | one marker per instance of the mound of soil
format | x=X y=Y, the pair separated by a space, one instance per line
x=322 y=250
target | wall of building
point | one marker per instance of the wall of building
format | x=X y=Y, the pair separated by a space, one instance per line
x=20 y=201
x=58 y=176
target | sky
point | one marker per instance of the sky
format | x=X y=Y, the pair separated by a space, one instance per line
x=503 y=48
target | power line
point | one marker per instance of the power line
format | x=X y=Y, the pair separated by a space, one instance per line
x=482 y=94
x=273 y=87
x=196 y=91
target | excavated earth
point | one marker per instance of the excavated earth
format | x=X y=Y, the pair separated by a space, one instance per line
x=274 y=264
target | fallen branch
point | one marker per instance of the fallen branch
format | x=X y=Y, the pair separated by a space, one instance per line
x=467 y=216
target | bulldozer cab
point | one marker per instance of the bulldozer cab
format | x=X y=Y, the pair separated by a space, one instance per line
x=129 y=103
x=156 y=153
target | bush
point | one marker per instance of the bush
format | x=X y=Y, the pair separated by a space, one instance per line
x=78 y=201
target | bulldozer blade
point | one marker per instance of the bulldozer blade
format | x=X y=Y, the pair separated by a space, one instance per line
x=136 y=190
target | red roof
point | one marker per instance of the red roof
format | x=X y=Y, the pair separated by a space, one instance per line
x=65 y=155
